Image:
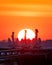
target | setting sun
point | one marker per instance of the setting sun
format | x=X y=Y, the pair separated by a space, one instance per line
x=29 y=34
x=16 y=15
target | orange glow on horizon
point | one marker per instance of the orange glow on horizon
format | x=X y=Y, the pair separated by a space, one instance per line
x=17 y=15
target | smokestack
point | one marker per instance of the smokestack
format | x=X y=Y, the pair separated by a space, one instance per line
x=36 y=34
x=13 y=37
x=25 y=34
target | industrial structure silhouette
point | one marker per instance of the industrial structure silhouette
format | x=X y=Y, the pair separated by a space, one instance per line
x=25 y=42
x=26 y=51
x=35 y=43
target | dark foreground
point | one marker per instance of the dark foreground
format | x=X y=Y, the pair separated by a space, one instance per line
x=40 y=57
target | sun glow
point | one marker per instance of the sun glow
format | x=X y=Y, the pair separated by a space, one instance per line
x=29 y=35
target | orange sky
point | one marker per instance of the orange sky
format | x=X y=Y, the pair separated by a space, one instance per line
x=17 y=15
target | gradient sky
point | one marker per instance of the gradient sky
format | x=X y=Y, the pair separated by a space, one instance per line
x=16 y=15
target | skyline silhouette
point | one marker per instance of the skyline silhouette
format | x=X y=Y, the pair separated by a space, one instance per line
x=35 y=43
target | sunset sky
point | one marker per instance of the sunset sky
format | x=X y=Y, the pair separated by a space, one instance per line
x=19 y=14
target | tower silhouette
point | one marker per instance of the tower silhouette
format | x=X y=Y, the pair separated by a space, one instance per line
x=25 y=36
x=12 y=37
x=9 y=43
x=36 y=34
